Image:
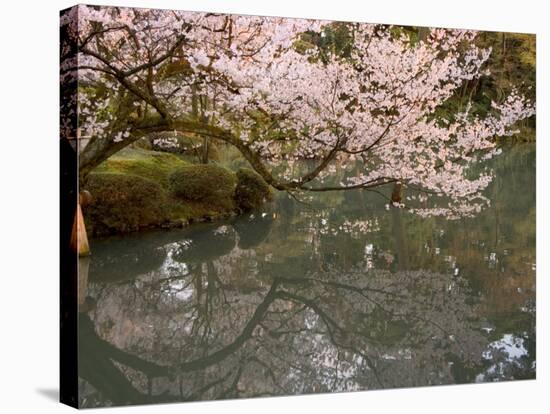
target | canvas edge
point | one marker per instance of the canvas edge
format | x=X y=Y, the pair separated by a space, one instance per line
x=68 y=282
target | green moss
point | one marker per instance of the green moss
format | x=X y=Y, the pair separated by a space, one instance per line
x=122 y=203
x=206 y=183
x=152 y=165
x=252 y=191
x=142 y=143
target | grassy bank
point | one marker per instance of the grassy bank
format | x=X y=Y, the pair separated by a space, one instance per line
x=139 y=189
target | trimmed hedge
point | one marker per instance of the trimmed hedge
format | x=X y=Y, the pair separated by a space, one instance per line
x=204 y=182
x=252 y=191
x=123 y=203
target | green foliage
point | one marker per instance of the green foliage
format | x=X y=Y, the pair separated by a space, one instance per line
x=204 y=182
x=336 y=39
x=123 y=203
x=252 y=191
x=511 y=66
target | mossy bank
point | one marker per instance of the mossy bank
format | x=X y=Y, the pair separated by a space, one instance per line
x=140 y=189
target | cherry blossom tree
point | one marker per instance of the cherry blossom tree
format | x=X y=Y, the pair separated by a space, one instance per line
x=365 y=120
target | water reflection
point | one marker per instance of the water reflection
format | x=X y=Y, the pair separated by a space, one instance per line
x=336 y=295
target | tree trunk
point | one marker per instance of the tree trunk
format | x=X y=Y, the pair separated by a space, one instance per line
x=97 y=151
x=204 y=155
x=397 y=193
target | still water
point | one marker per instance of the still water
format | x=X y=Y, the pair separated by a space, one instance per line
x=336 y=294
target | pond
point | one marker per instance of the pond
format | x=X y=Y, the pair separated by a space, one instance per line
x=337 y=293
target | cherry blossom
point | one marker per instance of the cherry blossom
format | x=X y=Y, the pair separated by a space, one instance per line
x=364 y=120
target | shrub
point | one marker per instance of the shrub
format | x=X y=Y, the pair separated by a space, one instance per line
x=252 y=191
x=123 y=202
x=204 y=182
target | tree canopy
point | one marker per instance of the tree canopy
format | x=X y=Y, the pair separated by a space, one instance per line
x=359 y=100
